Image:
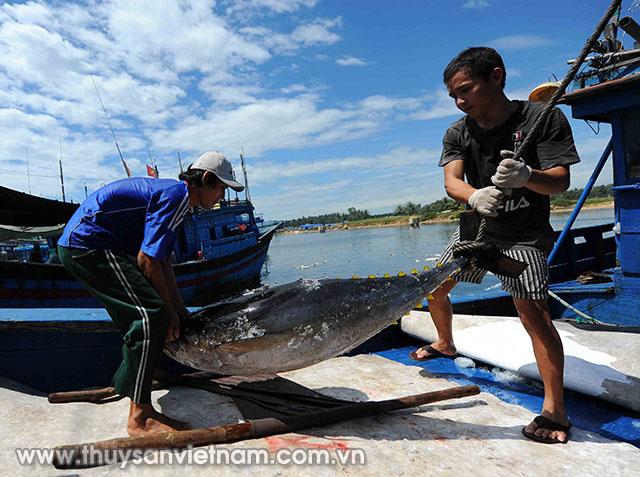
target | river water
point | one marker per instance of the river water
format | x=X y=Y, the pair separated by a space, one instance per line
x=376 y=251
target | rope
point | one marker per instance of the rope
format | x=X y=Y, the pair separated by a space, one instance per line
x=581 y=315
x=472 y=245
x=478 y=243
x=615 y=4
x=529 y=139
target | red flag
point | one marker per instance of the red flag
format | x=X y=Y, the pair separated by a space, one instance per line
x=151 y=171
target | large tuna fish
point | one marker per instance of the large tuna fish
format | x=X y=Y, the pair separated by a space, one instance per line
x=298 y=324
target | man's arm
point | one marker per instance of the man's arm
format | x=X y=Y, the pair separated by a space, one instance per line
x=172 y=289
x=154 y=271
x=454 y=182
x=549 y=182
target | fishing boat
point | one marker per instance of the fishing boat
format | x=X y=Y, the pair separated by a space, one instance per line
x=221 y=250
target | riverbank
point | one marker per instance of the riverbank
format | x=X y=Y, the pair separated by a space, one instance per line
x=589 y=205
x=403 y=220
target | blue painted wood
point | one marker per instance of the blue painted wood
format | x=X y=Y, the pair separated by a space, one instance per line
x=57 y=361
x=600 y=103
x=53 y=314
x=619 y=164
x=617 y=308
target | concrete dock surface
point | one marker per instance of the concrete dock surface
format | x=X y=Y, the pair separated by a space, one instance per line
x=479 y=435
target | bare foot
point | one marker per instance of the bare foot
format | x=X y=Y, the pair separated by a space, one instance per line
x=144 y=420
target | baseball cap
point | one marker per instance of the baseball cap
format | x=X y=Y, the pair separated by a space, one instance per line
x=215 y=162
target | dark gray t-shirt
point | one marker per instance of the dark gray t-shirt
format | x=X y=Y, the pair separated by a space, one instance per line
x=525 y=218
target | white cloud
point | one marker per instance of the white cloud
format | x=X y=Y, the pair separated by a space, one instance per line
x=181 y=76
x=439 y=105
x=182 y=36
x=351 y=61
x=299 y=121
x=268 y=124
x=476 y=4
x=519 y=42
x=165 y=69
x=317 y=32
x=314 y=33
x=385 y=103
x=367 y=186
x=394 y=160
x=294 y=89
x=277 y=6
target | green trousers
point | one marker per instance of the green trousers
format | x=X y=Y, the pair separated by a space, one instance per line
x=134 y=306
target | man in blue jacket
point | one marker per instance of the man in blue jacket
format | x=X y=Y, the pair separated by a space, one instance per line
x=138 y=217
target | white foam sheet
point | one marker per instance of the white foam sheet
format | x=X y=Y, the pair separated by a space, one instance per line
x=600 y=364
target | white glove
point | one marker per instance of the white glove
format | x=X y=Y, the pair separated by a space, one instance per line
x=487 y=201
x=511 y=173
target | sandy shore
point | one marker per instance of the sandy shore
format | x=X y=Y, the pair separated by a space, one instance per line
x=601 y=205
x=404 y=222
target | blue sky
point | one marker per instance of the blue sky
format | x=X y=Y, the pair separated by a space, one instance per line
x=337 y=104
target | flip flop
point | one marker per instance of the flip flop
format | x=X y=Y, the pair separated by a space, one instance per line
x=433 y=354
x=546 y=423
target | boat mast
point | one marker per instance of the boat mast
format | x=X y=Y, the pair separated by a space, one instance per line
x=244 y=171
x=124 y=164
x=28 y=174
x=180 y=162
x=64 y=199
x=153 y=162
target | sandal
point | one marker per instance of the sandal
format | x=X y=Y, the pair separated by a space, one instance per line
x=546 y=423
x=433 y=354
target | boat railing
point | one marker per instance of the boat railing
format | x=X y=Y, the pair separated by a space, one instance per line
x=584 y=249
x=234 y=203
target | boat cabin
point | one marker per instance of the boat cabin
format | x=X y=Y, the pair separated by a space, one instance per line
x=223 y=230
x=617 y=102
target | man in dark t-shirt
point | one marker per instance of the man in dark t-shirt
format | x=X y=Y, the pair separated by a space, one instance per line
x=524 y=217
x=513 y=196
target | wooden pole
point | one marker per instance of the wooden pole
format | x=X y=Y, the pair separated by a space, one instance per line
x=85 y=395
x=98 y=395
x=107 y=451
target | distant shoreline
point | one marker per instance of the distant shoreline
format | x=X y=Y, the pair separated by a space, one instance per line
x=598 y=205
x=404 y=221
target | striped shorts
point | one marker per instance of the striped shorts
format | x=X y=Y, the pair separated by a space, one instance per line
x=532 y=284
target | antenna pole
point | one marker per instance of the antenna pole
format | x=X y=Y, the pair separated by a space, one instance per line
x=64 y=199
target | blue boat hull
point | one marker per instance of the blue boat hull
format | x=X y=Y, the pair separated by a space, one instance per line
x=36 y=285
